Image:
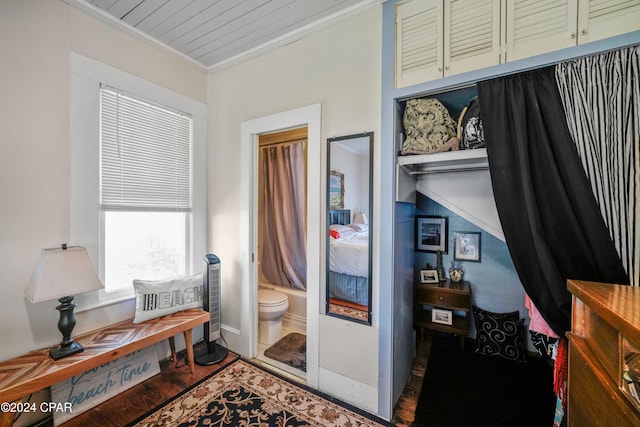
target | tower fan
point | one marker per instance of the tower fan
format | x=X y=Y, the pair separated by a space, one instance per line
x=211 y=303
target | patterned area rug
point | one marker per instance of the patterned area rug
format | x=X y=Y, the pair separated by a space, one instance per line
x=345 y=308
x=244 y=395
x=291 y=349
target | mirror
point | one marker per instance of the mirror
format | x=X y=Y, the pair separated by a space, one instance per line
x=349 y=206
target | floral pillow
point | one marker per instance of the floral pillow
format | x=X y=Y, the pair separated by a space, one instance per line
x=500 y=334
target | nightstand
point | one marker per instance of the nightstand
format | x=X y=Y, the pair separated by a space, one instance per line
x=449 y=308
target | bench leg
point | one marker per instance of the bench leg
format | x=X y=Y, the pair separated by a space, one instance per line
x=6 y=419
x=172 y=345
x=188 y=340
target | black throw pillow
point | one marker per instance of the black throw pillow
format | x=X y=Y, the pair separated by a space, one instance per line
x=500 y=334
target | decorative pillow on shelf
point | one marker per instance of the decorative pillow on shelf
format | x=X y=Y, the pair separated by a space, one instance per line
x=428 y=127
x=500 y=334
x=157 y=298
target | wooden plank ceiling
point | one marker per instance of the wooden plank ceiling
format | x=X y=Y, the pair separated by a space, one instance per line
x=212 y=32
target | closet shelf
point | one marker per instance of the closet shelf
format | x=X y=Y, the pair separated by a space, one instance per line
x=450 y=161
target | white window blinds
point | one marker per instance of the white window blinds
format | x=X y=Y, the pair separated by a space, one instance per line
x=145 y=154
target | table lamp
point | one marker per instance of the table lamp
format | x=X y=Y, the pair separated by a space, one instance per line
x=60 y=274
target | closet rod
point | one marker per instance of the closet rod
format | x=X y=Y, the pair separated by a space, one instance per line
x=453 y=170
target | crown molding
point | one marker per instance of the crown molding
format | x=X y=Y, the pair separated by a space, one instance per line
x=283 y=40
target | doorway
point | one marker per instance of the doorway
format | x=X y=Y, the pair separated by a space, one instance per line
x=308 y=117
x=281 y=255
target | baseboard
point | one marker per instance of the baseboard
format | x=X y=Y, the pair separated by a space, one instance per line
x=295 y=322
x=230 y=338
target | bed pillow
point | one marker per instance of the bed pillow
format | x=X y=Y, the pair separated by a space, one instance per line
x=359 y=228
x=500 y=334
x=157 y=298
x=338 y=231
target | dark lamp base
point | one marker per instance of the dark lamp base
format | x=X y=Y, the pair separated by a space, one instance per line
x=61 y=352
x=213 y=354
x=65 y=325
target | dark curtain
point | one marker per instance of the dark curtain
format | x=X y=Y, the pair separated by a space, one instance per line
x=552 y=224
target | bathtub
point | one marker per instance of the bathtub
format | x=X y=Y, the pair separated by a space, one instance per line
x=296 y=317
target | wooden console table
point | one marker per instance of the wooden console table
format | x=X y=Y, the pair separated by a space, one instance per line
x=35 y=371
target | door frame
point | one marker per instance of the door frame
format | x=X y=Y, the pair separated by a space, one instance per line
x=308 y=116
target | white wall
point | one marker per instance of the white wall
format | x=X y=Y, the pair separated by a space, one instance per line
x=355 y=168
x=36 y=39
x=339 y=68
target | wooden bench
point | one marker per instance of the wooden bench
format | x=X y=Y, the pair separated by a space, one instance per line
x=35 y=370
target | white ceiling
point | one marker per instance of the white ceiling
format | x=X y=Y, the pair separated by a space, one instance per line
x=216 y=32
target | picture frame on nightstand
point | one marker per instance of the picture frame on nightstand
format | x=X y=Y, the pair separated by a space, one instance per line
x=444 y=317
x=429 y=276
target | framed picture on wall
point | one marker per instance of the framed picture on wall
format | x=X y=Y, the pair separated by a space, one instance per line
x=431 y=233
x=336 y=190
x=466 y=246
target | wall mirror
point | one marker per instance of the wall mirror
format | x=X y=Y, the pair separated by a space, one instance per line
x=349 y=206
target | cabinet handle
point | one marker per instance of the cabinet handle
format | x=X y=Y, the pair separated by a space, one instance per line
x=440 y=299
x=583 y=32
x=446 y=68
x=573 y=35
x=440 y=69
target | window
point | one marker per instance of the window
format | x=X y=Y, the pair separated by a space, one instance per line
x=141 y=213
x=145 y=189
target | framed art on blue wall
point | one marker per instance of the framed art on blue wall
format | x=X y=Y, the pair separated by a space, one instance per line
x=466 y=246
x=431 y=233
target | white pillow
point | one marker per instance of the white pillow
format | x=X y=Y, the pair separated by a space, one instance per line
x=359 y=227
x=157 y=298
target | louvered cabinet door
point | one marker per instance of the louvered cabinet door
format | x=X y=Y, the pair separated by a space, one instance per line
x=599 y=19
x=471 y=35
x=535 y=27
x=419 y=39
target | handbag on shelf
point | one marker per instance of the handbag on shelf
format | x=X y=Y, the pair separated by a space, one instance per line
x=470 y=130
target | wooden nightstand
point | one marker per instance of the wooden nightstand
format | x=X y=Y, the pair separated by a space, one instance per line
x=448 y=296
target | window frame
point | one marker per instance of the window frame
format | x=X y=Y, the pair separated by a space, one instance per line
x=87 y=220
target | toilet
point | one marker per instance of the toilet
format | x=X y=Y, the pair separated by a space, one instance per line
x=272 y=305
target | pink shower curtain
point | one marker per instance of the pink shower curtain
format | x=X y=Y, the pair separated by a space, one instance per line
x=284 y=258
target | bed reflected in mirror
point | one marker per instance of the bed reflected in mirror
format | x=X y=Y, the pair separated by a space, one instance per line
x=349 y=204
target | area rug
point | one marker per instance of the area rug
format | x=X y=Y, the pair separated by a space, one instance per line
x=345 y=308
x=242 y=394
x=290 y=349
x=463 y=388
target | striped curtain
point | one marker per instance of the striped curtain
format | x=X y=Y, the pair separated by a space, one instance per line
x=601 y=98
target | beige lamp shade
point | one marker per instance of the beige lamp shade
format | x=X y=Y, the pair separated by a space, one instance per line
x=63 y=272
x=360 y=218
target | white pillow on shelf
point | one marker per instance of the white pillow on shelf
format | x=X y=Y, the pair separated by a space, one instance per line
x=157 y=298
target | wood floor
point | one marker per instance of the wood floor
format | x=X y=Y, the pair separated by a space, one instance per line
x=172 y=380
x=138 y=400
x=405 y=410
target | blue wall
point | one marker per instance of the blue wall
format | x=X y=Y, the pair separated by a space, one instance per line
x=494 y=282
